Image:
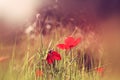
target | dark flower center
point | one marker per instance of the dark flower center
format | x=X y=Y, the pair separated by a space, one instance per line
x=50 y=51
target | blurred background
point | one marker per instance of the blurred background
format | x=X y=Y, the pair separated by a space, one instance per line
x=22 y=18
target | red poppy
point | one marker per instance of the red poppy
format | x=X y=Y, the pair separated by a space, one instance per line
x=38 y=73
x=70 y=42
x=100 y=70
x=3 y=58
x=52 y=56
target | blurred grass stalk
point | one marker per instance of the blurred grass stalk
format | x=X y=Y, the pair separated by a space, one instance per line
x=66 y=69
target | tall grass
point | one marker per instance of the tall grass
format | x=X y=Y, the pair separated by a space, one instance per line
x=67 y=68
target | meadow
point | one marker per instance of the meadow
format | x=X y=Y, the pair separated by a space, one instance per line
x=62 y=55
x=59 y=40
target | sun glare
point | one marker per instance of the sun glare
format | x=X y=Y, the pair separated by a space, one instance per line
x=16 y=9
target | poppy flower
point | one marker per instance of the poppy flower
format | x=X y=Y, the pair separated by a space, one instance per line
x=38 y=73
x=100 y=70
x=3 y=58
x=69 y=43
x=52 y=56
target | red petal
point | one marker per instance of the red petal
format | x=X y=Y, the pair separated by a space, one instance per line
x=68 y=47
x=56 y=55
x=77 y=41
x=3 y=58
x=38 y=73
x=100 y=70
x=69 y=40
x=49 y=59
x=61 y=46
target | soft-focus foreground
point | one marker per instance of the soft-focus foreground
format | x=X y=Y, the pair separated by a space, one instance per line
x=59 y=40
x=61 y=55
x=69 y=56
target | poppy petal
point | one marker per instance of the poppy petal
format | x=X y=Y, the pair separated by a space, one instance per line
x=100 y=70
x=3 y=58
x=77 y=41
x=38 y=73
x=49 y=59
x=68 y=47
x=61 y=46
x=69 y=40
x=56 y=56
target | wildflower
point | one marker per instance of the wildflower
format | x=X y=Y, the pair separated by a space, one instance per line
x=38 y=73
x=100 y=70
x=70 y=42
x=52 y=56
x=3 y=58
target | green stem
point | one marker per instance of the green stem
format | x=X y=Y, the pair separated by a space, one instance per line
x=70 y=65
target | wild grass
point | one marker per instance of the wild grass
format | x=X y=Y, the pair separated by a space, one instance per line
x=67 y=68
